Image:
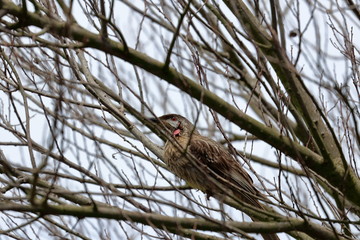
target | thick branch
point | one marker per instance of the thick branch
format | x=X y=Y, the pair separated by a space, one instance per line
x=165 y=222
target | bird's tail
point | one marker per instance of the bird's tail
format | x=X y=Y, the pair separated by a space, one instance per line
x=246 y=192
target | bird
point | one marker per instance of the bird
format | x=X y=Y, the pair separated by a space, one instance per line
x=205 y=164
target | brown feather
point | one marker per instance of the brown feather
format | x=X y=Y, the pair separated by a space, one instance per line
x=205 y=164
x=221 y=162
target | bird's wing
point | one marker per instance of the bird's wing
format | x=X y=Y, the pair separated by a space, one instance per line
x=221 y=162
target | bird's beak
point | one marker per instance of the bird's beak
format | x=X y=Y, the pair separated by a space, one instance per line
x=154 y=120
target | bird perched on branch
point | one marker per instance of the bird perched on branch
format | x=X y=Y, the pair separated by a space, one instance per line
x=205 y=164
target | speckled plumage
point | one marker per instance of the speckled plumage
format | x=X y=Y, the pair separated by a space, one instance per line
x=211 y=158
x=207 y=162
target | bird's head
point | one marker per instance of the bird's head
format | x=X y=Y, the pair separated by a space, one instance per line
x=176 y=124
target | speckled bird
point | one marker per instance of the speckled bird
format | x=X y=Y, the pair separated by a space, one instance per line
x=210 y=167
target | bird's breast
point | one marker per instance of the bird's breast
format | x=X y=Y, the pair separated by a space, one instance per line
x=182 y=166
x=175 y=152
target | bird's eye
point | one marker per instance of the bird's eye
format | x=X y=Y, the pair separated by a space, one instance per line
x=173 y=119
